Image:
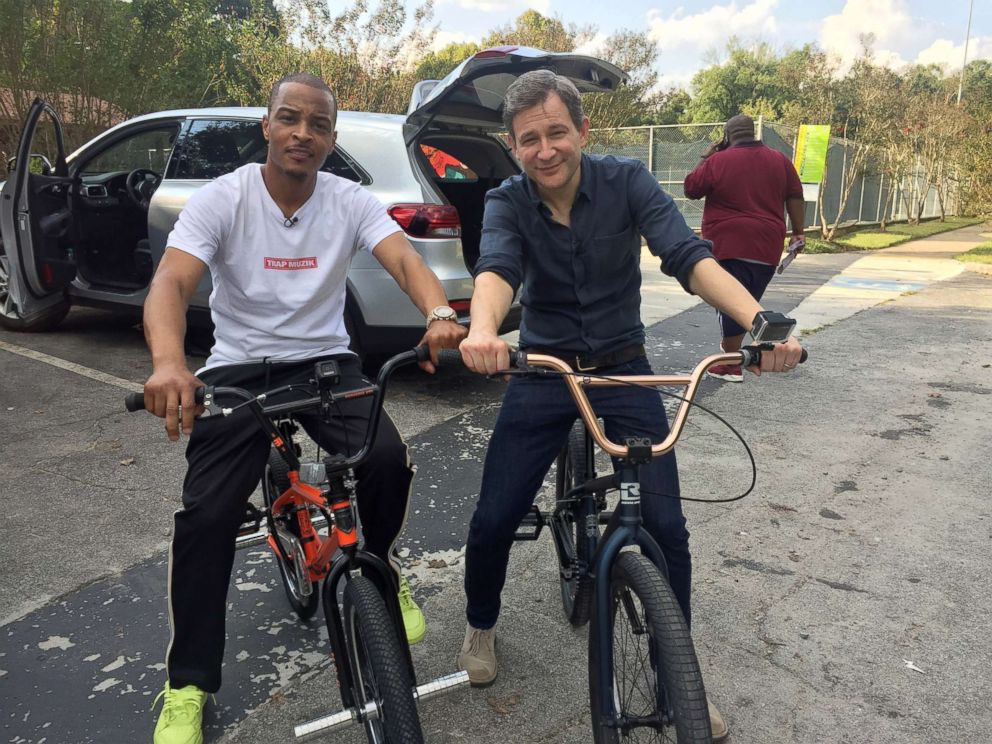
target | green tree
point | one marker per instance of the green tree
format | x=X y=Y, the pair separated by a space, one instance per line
x=532 y=29
x=748 y=80
x=368 y=55
x=971 y=155
x=635 y=102
x=672 y=108
x=435 y=65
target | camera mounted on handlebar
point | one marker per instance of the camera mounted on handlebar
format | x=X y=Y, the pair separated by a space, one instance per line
x=770 y=327
x=327 y=375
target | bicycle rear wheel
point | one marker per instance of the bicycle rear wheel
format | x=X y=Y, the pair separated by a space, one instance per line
x=292 y=566
x=573 y=467
x=381 y=674
x=657 y=688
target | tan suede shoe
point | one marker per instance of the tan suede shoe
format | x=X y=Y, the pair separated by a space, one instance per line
x=717 y=724
x=478 y=656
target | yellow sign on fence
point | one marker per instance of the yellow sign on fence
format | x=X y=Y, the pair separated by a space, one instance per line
x=811 y=152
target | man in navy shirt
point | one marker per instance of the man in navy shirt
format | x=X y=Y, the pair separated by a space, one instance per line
x=568 y=233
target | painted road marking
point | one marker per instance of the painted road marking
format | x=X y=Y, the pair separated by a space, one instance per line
x=93 y=374
x=885 y=285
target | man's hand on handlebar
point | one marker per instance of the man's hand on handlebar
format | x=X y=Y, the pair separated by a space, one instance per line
x=169 y=394
x=485 y=353
x=441 y=334
x=779 y=358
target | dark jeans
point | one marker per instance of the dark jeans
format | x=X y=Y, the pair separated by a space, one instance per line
x=227 y=457
x=755 y=278
x=533 y=425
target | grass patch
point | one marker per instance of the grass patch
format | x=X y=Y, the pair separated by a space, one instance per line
x=933 y=227
x=815 y=245
x=871 y=238
x=979 y=254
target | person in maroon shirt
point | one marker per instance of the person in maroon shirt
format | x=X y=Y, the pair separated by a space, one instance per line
x=748 y=187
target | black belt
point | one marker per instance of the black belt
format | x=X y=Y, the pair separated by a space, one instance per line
x=589 y=362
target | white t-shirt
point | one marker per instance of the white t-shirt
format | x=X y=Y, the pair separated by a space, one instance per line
x=278 y=292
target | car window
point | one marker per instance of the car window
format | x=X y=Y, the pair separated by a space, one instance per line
x=213 y=147
x=149 y=148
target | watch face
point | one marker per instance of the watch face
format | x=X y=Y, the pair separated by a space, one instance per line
x=442 y=313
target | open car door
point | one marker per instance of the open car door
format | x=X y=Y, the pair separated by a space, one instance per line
x=472 y=94
x=37 y=258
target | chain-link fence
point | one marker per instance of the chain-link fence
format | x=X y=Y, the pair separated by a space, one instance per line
x=672 y=151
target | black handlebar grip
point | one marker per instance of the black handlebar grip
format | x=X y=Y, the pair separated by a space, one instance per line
x=136 y=401
x=423 y=352
x=453 y=358
x=752 y=355
x=449 y=358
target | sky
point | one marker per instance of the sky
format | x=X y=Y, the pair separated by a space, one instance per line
x=688 y=33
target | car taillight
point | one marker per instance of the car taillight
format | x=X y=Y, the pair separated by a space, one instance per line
x=427 y=220
x=460 y=306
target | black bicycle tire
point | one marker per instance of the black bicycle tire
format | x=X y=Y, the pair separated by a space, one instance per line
x=678 y=668
x=274 y=482
x=576 y=593
x=374 y=650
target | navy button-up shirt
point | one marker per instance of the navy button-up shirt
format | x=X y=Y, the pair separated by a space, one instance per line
x=582 y=284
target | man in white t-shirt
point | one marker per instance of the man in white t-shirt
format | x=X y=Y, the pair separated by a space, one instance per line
x=278 y=240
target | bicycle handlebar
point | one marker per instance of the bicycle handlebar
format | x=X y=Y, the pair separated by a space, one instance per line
x=136 y=401
x=577 y=381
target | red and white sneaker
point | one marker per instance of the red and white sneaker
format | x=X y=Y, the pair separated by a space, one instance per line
x=726 y=372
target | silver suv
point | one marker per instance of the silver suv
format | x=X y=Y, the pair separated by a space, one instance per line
x=91 y=228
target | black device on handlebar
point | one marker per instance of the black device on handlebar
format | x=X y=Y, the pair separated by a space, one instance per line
x=770 y=327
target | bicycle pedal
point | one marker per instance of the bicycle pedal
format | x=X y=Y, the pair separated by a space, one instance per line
x=531 y=525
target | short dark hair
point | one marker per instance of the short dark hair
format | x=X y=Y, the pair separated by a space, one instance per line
x=535 y=87
x=304 y=78
x=739 y=128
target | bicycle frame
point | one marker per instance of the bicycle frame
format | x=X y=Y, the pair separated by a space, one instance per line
x=624 y=524
x=342 y=530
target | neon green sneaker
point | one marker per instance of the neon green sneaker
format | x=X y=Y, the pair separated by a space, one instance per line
x=413 y=618
x=181 y=721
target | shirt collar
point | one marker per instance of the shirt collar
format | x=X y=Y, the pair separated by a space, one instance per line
x=749 y=143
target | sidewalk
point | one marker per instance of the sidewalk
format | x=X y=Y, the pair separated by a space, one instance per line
x=887 y=273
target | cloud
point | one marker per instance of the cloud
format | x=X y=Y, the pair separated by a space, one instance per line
x=949 y=55
x=888 y=21
x=443 y=38
x=713 y=27
x=593 y=46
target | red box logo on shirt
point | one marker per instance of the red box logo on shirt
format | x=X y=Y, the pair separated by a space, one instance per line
x=291 y=264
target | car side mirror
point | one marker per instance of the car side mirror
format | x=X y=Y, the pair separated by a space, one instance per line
x=36 y=164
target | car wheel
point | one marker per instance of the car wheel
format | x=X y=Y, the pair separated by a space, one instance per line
x=10 y=317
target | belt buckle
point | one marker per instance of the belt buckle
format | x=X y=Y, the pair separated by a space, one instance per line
x=580 y=368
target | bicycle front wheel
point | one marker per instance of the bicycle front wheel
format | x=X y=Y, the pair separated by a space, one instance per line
x=381 y=674
x=657 y=688
x=293 y=571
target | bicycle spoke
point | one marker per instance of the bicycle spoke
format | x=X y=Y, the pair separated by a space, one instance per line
x=635 y=692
